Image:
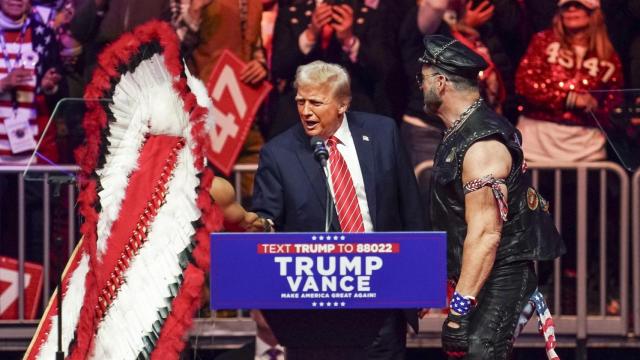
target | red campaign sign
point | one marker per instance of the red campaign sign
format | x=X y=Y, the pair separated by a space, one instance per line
x=9 y=288
x=234 y=107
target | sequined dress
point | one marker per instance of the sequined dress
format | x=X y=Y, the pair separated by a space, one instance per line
x=545 y=77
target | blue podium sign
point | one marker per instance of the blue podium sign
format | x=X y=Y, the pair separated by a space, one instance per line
x=328 y=270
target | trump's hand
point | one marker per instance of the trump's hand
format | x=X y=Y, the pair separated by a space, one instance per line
x=254 y=223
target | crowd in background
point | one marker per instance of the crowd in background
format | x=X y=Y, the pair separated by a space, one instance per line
x=546 y=59
x=554 y=68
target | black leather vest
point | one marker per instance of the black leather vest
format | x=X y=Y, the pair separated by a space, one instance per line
x=528 y=233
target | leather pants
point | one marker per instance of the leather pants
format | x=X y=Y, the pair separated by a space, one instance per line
x=500 y=303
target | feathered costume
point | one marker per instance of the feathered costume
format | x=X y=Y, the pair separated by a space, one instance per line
x=134 y=281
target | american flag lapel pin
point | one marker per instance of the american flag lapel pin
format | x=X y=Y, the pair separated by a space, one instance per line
x=365 y=138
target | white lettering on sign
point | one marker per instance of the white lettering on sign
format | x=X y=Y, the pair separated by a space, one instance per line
x=331 y=273
x=225 y=124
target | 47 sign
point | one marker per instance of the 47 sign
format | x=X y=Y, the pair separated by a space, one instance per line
x=9 y=292
x=234 y=107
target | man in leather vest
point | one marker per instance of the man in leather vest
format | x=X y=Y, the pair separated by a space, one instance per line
x=496 y=223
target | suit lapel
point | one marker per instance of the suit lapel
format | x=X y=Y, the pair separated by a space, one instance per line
x=364 y=144
x=314 y=174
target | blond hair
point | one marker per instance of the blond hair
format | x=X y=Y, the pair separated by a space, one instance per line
x=597 y=32
x=320 y=73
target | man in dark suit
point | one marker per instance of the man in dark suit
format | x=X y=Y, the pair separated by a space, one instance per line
x=371 y=181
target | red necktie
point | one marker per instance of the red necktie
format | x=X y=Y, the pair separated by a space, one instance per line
x=347 y=205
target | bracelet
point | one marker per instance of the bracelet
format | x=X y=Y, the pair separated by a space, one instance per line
x=462 y=304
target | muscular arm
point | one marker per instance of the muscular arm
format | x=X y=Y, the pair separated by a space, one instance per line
x=484 y=224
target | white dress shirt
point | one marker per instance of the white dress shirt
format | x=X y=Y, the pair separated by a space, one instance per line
x=347 y=149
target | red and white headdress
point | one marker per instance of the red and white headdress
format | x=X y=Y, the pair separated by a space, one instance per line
x=134 y=282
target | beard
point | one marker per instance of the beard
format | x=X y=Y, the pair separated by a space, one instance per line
x=432 y=101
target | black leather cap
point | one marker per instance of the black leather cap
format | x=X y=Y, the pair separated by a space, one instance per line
x=451 y=55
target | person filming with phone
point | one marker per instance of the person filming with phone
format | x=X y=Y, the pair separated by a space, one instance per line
x=356 y=34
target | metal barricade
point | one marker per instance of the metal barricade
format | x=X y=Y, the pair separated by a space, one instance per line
x=51 y=178
x=583 y=323
x=635 y=222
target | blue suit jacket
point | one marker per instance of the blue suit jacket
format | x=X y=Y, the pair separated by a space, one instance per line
x=290 y=186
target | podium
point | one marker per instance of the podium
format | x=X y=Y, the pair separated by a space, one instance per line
x=326 y=334
x=327 y=295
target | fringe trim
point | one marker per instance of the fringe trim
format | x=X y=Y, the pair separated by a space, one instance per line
x=117 y=59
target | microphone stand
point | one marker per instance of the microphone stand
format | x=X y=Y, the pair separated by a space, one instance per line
x=321 y=154
x=60 y=353
x=57 y=182
x=329 y=202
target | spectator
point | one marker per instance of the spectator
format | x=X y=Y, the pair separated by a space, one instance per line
x=470 y=25
x=360 y=35
x=235 y=26
x=421 y=133
x=186 y=16
x=269 y=14
x=58 y=15
x=560 y=68
x=30 y=73
x=506 y=34
x=99 y=22
x=232 y=25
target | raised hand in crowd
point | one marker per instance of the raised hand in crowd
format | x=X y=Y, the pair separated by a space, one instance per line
x=253 y=73
x=343 y=23
x=17 y=77
x=478 y=16
x=50 y=81
x=430 y=15
x=322 y=15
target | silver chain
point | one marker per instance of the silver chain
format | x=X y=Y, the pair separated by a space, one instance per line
x=463 y=117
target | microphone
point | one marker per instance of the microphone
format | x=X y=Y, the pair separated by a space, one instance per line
x=322 y=155
x=320 y=152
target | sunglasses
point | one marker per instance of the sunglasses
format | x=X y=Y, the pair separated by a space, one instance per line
x=420 y=77
x=575 y=4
